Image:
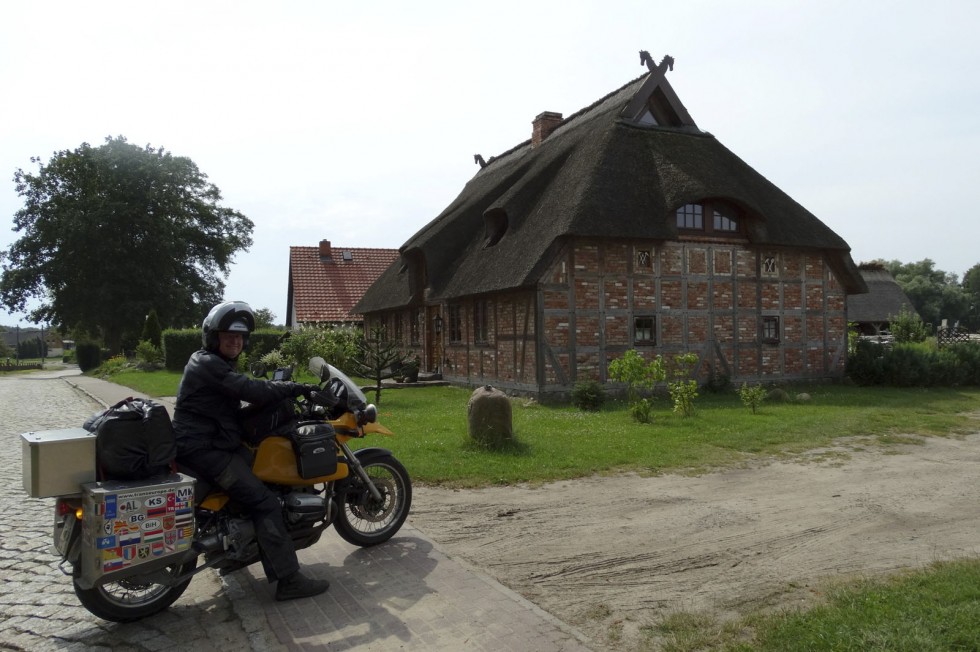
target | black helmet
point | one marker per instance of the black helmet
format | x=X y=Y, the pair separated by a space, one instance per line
x=233 y=316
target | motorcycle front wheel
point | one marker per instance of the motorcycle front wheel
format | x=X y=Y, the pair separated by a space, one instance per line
x=365 y=521
x=132 y=598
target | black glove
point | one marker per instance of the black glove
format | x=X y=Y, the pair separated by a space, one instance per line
x=299 y=389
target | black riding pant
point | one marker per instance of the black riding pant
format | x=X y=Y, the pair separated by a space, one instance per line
x=232 y=472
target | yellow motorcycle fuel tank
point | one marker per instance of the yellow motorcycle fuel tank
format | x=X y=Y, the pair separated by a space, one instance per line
x=275 y=462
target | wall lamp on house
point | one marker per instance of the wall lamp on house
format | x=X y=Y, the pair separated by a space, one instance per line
x=437 y=324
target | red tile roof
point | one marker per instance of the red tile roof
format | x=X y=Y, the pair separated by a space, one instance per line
x=324 y=289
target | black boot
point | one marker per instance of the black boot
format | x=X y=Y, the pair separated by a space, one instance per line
x=298 y=585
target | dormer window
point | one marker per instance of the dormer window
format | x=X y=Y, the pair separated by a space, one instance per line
x=724 y=219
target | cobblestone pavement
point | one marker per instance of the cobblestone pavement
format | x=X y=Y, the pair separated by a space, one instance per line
x=405 y=595
x=38 y=608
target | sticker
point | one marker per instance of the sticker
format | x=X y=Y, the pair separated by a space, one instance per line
x=151 y=525
x=143 y=552
x=155 y=501
x=113 y=565
x=129 y=553
x=157 y=511
x=157 y=549
x=107 y=527
x=125 y=506
x=106 y=542
x=168 y=522
x=129 y=538
x=109 y=510
x=136 y=518
x=153 y=537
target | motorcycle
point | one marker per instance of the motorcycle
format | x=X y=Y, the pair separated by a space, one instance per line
x=366 y=497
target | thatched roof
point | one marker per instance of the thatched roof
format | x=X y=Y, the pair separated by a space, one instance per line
x=598 y=174
x=883 y=302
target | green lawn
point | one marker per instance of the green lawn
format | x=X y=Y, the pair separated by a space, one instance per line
x=563 y=442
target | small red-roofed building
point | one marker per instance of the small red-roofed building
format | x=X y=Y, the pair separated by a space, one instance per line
x=326 y=281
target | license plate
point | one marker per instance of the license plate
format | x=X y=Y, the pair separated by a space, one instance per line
x=64 y=538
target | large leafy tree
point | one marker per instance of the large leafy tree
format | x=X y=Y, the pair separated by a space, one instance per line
x=109 y=233
x=935 y=294
x=971 y=286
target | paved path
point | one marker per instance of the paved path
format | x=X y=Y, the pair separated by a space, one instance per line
x=406 y=594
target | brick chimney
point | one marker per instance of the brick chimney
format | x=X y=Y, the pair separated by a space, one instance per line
x=543 y=125
x=325 y=249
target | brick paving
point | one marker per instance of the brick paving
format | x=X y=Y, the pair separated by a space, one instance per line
x=406 y=594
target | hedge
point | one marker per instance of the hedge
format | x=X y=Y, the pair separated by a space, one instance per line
x=178 y=345
x=915 y=365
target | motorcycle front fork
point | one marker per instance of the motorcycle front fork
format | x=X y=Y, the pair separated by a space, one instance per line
x=361 y=473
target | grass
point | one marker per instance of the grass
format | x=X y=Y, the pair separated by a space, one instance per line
x=562 y=442
x=934 y=609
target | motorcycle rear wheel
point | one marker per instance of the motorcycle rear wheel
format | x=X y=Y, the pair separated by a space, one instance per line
x=132 y=599
x=364 y=521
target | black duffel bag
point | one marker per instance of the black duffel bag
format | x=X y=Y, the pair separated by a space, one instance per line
x=315 y=446
x=134 y=440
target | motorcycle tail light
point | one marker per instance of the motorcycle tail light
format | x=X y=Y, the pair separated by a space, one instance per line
x=64 y=508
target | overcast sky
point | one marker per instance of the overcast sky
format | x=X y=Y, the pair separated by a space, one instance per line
x=358 y=124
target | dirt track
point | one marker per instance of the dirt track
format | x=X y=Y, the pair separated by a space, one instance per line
x=609 y=555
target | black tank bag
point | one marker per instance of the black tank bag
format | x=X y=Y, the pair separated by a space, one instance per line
x=316 y=449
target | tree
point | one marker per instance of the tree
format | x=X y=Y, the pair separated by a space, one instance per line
x=378 y=359
x=152 y=332
x=971 y=288
x=935 y=294
x=110 y=232
x=264 y=318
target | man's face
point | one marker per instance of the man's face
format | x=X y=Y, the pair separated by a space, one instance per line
x=230 y=344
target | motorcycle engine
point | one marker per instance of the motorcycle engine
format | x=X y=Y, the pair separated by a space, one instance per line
x=304 y=510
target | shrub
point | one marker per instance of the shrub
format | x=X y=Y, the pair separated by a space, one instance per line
x=148 y=355
x=683 y=390
x=589 y=395
x=151 y=330
x=638 y=374
x=112 y=366
x=752 y=397
x=89 y=355
x=178 y=345
x=908 y=327
x=641 y=410
x=338 y=345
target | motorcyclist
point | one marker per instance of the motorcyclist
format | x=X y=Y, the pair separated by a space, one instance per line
x=209 y=438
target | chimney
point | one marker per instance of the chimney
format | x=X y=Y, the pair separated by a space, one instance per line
x=325 y=249
x=544 y=124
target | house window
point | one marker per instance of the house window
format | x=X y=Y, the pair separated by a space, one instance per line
x=398 y=328
x=769 y=265
x=455 y=324
x=724 y=218
x=770 y=330
x=690 y=216
x=480 y=322
x=416 y=326
x=644 y=259
x=644 y=330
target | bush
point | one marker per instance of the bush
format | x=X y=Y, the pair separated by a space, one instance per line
x=589 y=395
x=89 y=356
x=752 y=397
x=178 y=345
x=148 y=355
x=682 y=390
x=151 y=330
x=338 y=345
x=638 y=374
x=915 y=365
x=112 y=366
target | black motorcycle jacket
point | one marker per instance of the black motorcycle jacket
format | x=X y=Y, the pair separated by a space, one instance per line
x=209 y=401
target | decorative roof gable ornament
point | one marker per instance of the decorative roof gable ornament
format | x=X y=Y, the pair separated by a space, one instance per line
x=667 y=63
x=655 y=104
